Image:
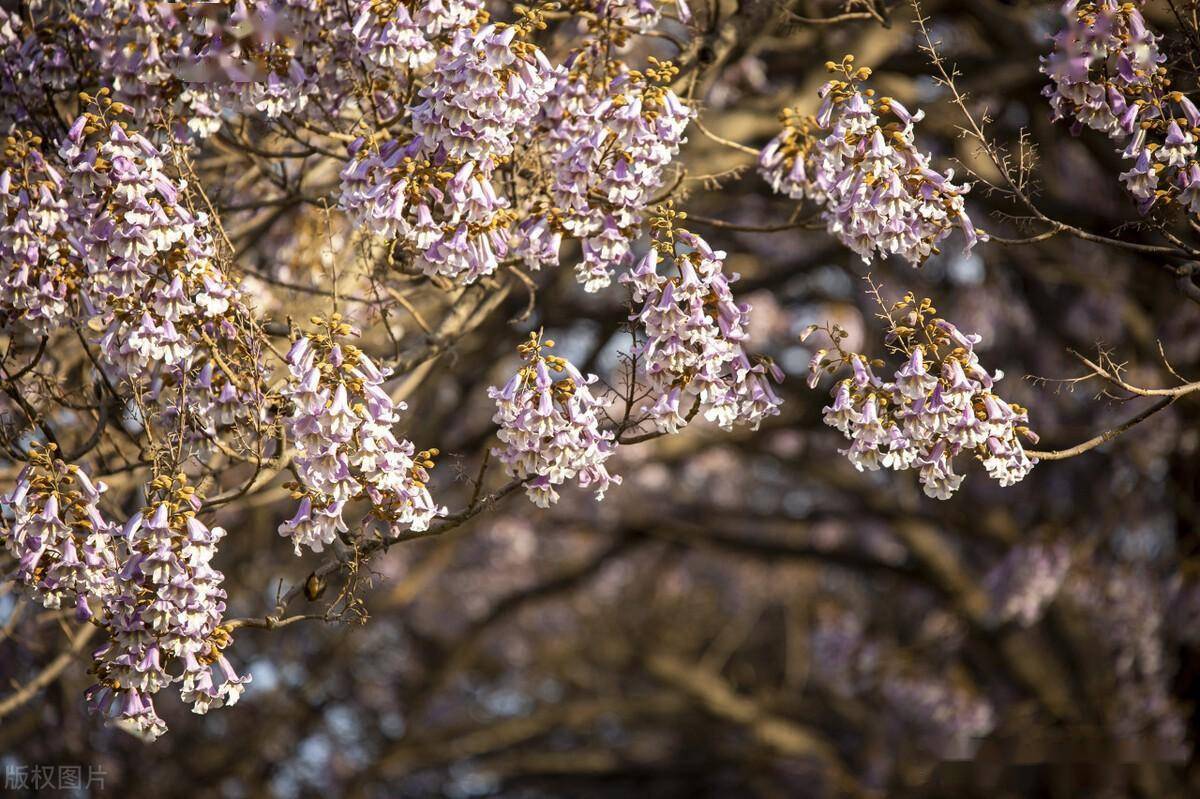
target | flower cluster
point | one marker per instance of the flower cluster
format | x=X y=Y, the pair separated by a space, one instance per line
x=482 y=88
x=451 y=222
x=150 y=586
x=30 y=68
x=877 y=191
x=341 y=423
x=164 y=617
x=948 y=718
x=844 y=657
x=1123 y=606
x=603 y=137
x=608 y=142
x=153 y=285
x=187 y=63
x=1106 y=72
x=550 y=429
x=65 y=549
x=693 y=350
x=137 y=50
x=634 y=15
x=940 y=404
x=393 y=34
x=133 y=47
x=103 y=236
x=41 y=268
x=434 y=192
x=1027 y=580
x=287 y=57
x=179 y=63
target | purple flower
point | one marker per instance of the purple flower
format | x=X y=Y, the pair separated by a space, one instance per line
x=550 y=429
x=64 y=547
x=1105 y=74
x=694 y=335
x=876 y=189
x=341 y=423
x=608 y=143
x=924 y=418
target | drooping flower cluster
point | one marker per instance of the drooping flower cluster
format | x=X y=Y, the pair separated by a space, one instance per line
x=635 y=15
x=389 y=38
x=31 y=67
x=1106 y=72
x=609 y=142
x=136 y=49
x=603 y=137
x=133 y=48
x=941 y=403
x=282 y=58
x=693 y=351
x=139 y=236
x=180 y=64
x=452 y=222
x=877 y=191
x=164 y=617
x=393 y=34
x=434 y=192
x=152 y=283
x=844 y=657
x=139 y=50
x=1124 y=608
x=1027 y=580
x=550 y=428
x=65 y=549
x=947 y=718
x=482 y=88
x=150 y=586
x=41 y=267
x=341 y=422
x=102 y=236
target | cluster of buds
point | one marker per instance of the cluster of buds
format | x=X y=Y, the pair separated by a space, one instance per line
x=341 y=422
x=878 y=192
x=550 y=428
x=940 y=403
x=1107 y=73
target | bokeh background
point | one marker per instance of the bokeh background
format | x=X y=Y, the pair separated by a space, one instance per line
x=748 y=615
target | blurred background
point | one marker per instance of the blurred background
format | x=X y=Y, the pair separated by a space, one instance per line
x=747 y=615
